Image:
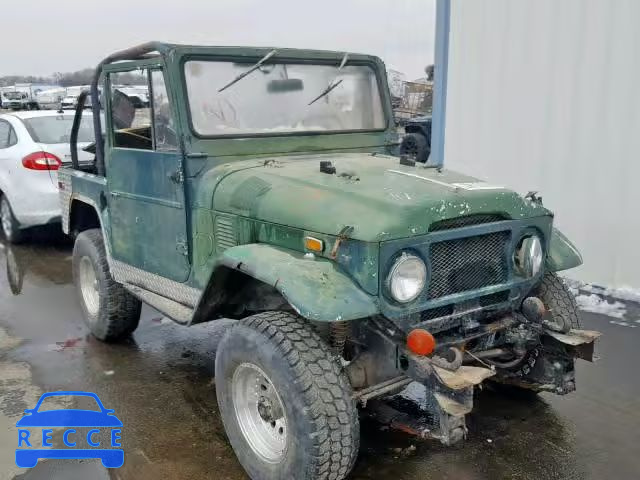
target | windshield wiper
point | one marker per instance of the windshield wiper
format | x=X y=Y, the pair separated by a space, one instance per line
x=251 y=70
x=333 y=83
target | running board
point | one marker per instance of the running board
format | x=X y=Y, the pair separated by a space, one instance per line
x=175 y=311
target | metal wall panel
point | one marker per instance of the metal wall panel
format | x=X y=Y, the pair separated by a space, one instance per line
x=545 y=95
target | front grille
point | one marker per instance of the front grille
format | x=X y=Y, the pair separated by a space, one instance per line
x=494 y=298
x=467 y=221
x=437 y=312
x=469 y=263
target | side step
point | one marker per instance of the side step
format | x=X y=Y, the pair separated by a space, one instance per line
x=175 y=311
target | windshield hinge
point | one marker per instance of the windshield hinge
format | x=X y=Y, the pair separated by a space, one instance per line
x=177 y=176
x=182 y=247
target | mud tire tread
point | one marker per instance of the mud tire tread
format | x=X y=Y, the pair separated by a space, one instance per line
x=556 y=296
x=119 y=312
x=324 y=388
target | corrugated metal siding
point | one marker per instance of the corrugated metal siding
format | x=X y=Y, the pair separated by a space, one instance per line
x=545 y=95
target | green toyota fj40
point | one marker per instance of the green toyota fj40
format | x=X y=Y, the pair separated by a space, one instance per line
x=260 y=185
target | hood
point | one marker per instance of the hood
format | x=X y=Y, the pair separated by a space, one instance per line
x=380 y=198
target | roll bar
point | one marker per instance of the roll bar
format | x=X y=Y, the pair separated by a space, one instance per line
x=135 y=53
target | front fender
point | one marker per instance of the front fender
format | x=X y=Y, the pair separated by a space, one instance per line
x=315 y=287
x=563 y=255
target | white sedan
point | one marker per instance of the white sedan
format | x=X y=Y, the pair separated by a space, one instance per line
x=33 y=145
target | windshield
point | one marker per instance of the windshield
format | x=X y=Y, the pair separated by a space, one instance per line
x=57 y=129
x=13 y=95
x=279 y=98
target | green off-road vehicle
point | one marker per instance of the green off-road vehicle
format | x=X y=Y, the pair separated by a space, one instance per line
x=260 y=185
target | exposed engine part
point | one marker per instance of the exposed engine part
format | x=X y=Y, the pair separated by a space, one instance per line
x=533 y=309
x=491 y=353
x=557 y=323
x=504 y=323
x=444 y=427
x=520 y=358
x=381 y=389
x=338 y=333
x=452 y=361
x=358 y=368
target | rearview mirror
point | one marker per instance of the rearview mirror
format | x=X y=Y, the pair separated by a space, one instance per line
x=283 y=86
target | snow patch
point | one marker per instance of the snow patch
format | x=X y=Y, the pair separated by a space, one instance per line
x=624 y=293
x=596 y=304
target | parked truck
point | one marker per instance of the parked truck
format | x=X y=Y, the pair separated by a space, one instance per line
x=51 y=98
x=23 y=96
x=262 y=188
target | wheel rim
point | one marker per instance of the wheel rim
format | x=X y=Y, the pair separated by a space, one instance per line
x=89 y=286
x=259 y=412
x=5 y=218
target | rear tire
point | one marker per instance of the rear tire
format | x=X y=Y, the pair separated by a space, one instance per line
x=294 y=386
x=10 y=226
x=110 y=311
x=415 y=145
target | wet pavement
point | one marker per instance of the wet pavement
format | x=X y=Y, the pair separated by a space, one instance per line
x=160 y=385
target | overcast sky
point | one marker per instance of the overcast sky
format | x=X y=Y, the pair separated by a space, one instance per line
x=41 y=37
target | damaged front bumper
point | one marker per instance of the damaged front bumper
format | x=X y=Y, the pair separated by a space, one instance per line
x=450 y=382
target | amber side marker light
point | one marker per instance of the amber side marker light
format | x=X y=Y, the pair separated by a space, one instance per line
x=313 y=244
x=421 y=342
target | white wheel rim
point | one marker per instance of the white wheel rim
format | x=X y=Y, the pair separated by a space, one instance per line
x=259 y=412
x=5 y=217
x=89 y=286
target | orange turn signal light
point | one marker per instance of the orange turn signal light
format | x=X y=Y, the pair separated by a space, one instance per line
x=421 y=342
x=313 y=244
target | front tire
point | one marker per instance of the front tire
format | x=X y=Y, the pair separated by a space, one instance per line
x=558 y=299
x=286 y=405
x=531 y=375
x=110 y=311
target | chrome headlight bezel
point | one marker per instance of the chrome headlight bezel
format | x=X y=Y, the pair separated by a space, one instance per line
x=404 y=262
x=528 y=257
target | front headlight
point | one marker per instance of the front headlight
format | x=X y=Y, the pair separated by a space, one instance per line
x=528 y=257
x=407 y=278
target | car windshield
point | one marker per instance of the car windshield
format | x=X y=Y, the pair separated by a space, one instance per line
x=57 y=129
x=13 y=95
x=279 y=98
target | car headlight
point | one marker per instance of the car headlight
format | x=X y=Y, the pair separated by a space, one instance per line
x=407 y=278
x=528 y=257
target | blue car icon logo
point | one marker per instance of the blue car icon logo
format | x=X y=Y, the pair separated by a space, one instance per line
x=36 y=423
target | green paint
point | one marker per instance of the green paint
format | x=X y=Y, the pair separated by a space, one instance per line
x=248 y=202
x=315 y=287
x=563 y=255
